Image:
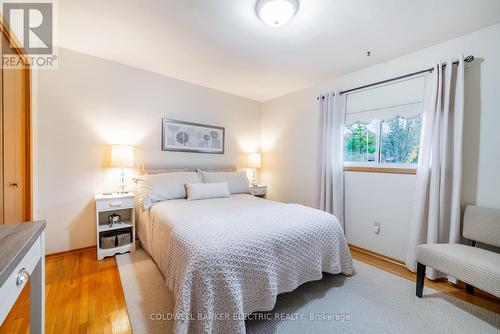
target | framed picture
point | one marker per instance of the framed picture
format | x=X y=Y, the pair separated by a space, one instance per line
x=182 y=136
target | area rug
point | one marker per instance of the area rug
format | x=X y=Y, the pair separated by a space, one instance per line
x=371 y=301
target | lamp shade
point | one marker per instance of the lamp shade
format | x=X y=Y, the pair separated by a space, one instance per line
x=254 y=160
x=122 y=156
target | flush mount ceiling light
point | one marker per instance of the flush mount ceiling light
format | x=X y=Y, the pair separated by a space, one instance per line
x=276 y=12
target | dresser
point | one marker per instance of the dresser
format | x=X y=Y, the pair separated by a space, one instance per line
x=22 y=259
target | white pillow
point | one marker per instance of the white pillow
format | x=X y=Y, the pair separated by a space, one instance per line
x=206 y=190
x=160 y=187
x=237 y=182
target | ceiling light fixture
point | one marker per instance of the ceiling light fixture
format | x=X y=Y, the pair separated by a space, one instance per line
x=276 y=12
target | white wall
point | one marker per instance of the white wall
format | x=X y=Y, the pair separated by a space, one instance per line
x=89 y=103
x=367 y=198
x=289 y=139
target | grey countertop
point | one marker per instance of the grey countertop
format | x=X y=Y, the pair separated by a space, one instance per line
x=15 y=241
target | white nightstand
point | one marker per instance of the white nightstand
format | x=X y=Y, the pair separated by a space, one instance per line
x=123 y=231
x=258 y=191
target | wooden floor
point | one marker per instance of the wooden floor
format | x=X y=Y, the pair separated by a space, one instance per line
x=85 y=295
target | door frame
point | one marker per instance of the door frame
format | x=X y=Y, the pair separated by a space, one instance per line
x=14 y=43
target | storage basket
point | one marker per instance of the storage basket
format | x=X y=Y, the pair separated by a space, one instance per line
x=123 y=238
x=107 y=241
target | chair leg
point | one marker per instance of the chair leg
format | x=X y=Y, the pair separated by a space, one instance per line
x=420 y=279
x=469 y=288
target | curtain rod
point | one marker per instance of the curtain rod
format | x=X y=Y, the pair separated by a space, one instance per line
x=468 y=59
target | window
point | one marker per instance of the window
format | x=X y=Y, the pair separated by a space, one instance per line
x=360 y=142
x=392 y=142
x=383 y=125
x=400 y=140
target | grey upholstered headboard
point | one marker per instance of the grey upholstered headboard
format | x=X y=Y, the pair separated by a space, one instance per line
x=159 y=169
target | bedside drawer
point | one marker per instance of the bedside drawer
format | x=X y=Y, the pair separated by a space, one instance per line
x=114 y=204
x=260 y=191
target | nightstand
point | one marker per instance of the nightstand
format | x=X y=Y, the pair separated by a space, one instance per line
x=120 y=236
x=258 y=190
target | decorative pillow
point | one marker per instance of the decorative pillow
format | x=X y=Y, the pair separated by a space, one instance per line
x=206 y=190
x=237 y=182
x=160 y=187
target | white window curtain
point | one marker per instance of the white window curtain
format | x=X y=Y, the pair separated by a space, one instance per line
x=332 y=116
x=436 y=211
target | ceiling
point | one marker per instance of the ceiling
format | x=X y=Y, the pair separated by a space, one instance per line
x=222 y=44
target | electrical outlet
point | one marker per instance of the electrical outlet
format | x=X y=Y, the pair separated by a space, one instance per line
x=376 y=228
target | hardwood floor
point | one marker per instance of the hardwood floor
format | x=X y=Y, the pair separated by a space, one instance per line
x=85 y=295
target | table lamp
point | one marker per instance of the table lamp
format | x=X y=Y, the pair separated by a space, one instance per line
x=122 y=156
x=254 y=162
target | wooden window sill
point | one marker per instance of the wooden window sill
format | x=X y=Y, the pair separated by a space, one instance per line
x=387 y=170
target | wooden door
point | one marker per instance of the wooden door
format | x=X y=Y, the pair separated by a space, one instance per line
x=16 y=178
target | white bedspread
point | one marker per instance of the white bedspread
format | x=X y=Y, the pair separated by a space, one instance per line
x=226 y=258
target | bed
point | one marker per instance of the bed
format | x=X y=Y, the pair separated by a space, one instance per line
x=225 y=258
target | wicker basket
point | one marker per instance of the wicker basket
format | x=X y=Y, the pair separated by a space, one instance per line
x=107 y=241
x=123 y=239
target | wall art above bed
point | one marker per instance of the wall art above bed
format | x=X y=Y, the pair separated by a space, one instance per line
x=183 y=136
